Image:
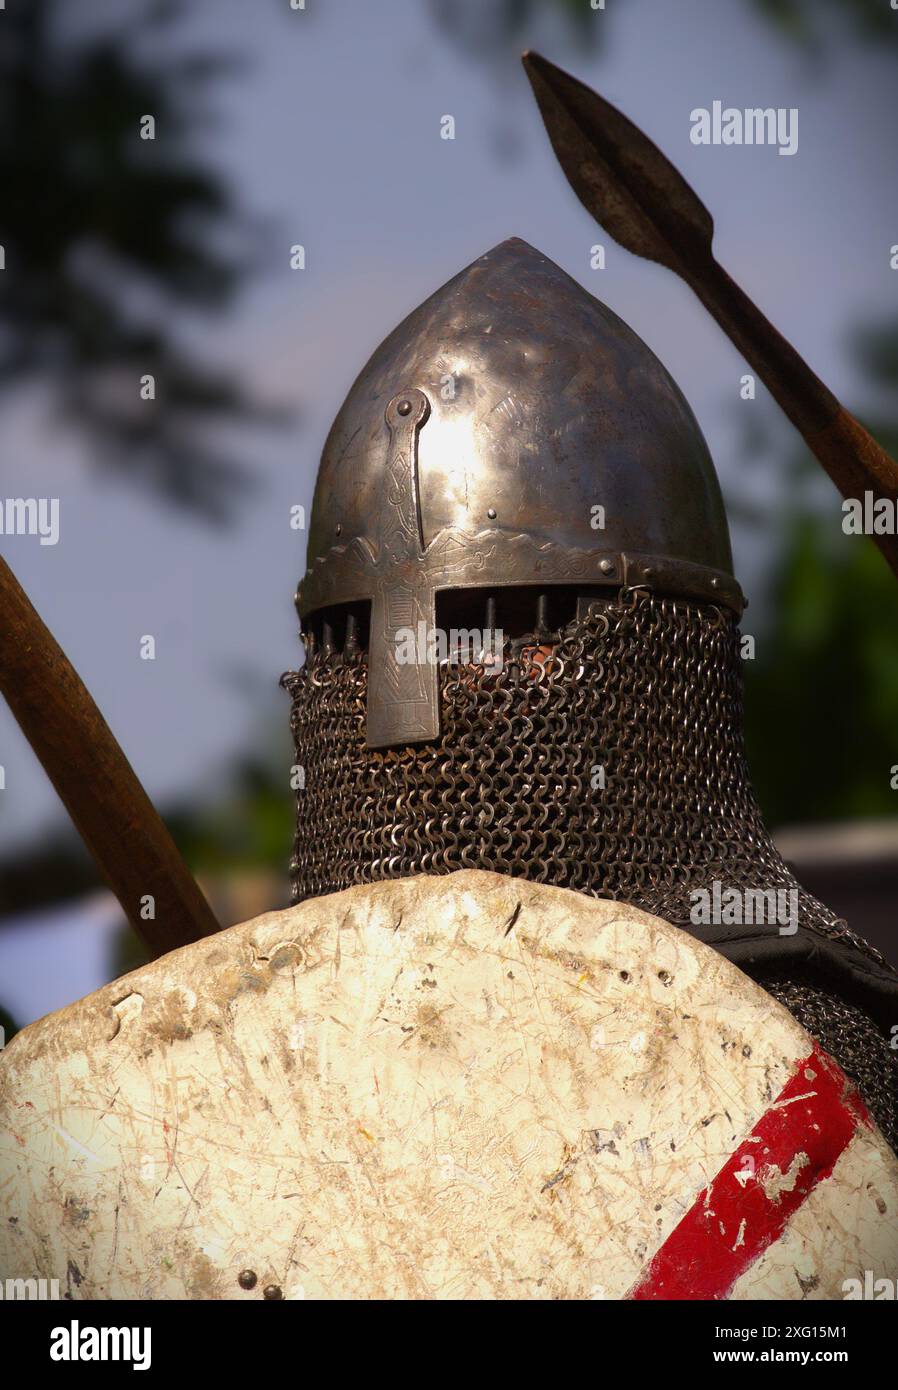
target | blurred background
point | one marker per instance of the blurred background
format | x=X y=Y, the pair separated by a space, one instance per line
x=279 y=125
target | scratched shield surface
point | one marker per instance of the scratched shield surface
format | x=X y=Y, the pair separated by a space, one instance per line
x=449 y=1087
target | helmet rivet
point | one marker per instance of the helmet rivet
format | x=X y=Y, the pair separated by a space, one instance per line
x=338 y=529
x=648 y=573
x=715 y=583
x=404 y=407
x=272 y=1292
x=491 y=513
x=247 y=1278
x=606 y=566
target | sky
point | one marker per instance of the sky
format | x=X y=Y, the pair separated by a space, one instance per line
x=331 y=133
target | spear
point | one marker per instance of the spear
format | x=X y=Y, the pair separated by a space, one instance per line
x=641 y=200
x=96 y=783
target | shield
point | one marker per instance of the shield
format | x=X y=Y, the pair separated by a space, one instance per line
x=465 y=1086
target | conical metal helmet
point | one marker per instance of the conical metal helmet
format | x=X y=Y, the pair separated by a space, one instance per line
x=464 y=479
x=511 y=431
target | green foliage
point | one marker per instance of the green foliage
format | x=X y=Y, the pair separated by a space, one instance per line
x=249 y=827
x=822 y=694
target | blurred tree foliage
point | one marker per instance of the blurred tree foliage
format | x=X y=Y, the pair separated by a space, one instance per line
x=109 y=236
x=814 y=23
x=487 y=29
x=822 y=693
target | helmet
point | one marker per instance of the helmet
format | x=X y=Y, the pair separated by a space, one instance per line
x=516 y=476
x=512 y=431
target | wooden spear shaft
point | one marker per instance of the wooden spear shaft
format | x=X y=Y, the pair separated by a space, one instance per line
x=642 y=200
x=96 y=783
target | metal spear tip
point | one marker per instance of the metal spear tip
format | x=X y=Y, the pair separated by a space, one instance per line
x=617 y=172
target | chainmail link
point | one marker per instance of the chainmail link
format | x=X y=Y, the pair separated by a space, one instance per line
x=611 y=763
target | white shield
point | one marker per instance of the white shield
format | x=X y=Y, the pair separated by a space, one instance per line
x=466 y=1086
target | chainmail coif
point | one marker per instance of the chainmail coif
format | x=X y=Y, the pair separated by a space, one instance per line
x=611 y=763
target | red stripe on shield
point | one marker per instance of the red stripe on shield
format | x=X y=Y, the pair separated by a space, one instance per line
x=794 y=1146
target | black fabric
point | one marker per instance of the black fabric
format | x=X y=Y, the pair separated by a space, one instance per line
x=834 y=965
